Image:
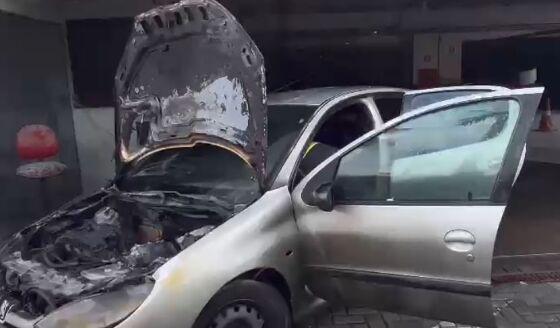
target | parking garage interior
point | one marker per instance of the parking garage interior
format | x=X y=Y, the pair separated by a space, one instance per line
x=59 y=59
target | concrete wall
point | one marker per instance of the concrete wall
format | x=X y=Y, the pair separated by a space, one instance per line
x=34 y=88
x=80 y=9
x=443 y=51
x=95 y=137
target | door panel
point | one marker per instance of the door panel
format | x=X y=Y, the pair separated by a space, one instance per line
x=413 y=232
x=417 y=209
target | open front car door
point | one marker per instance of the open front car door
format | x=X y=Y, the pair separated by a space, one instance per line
x=404 y=219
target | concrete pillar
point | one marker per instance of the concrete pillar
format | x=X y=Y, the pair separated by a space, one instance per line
x=426 y=56
x=34 y=89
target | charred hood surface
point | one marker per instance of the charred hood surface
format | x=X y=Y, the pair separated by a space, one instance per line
x=190 y=73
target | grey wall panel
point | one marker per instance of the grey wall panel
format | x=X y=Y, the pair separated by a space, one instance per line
x=33 y=89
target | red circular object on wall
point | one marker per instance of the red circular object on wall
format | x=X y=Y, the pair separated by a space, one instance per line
x=36 y=142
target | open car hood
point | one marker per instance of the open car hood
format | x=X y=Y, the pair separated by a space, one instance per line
x=190 y=74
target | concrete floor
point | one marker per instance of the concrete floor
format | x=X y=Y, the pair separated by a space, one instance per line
x=516 y=305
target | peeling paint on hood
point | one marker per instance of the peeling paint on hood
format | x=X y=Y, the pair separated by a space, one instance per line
x=191 y=72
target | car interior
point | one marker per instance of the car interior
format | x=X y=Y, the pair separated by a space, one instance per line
x=389 y=107
x=341 y=128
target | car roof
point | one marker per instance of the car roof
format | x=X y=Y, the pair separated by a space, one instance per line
x=317 y=96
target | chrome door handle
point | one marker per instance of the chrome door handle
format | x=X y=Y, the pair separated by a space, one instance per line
x=461 y=241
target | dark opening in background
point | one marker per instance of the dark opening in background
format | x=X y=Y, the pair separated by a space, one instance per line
x=96 y=46
x=500 y=61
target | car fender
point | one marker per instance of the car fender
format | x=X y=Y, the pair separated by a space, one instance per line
x=264 y=235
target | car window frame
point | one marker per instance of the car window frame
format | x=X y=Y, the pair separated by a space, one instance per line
x=271 y=176
x=366 y=101
x=286 y=174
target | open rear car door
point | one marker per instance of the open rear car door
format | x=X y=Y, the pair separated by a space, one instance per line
x=405 y=218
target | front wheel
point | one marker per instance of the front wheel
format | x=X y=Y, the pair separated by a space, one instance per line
x=246 y=304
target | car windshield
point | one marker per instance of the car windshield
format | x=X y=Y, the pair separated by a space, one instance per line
x=214 y=172
x=284 y=125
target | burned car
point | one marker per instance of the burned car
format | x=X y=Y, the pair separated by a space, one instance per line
x=195 y=230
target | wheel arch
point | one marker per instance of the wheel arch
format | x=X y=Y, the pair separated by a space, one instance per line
x=272 y=277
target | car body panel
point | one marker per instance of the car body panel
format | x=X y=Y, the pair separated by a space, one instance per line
x=99 y=310
x=262 y=236
x=430 y=260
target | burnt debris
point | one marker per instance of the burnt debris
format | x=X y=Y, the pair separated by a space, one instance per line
x=89 y=249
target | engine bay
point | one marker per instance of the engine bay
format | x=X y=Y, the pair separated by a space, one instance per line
x=100 y=244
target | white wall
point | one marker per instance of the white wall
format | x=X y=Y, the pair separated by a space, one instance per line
x=95 y=140
x=425 y=55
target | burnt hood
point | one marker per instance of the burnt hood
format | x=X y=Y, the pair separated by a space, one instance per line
x=190 y=74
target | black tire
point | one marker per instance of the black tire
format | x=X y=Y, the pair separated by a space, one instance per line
x=248 y=296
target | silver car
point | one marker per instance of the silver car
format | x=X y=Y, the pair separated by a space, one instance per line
x=208 y=226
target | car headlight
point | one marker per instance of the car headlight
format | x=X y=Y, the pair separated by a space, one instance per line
x=98 y=311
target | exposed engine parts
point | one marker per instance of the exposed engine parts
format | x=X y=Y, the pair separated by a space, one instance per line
x=93 y=248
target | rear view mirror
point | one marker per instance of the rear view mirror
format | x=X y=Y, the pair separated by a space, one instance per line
x=322 y=197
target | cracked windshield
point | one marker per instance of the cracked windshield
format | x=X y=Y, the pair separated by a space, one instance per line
x=279 y=164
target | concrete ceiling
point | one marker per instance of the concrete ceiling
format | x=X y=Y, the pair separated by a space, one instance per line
x=328 y=18
x=332 y=6
x=344 y=6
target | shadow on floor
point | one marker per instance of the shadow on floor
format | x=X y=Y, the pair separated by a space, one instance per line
x=531 y=224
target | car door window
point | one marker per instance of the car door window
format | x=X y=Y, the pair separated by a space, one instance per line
x=452 y=155
x=285 y=123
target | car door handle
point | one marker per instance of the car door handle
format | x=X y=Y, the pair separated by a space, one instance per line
x=461 y=241
x=495 y=164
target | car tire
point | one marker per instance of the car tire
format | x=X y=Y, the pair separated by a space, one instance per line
x=246 y=303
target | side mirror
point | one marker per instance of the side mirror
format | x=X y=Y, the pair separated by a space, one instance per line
x=318 y=191
x=322 y=197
